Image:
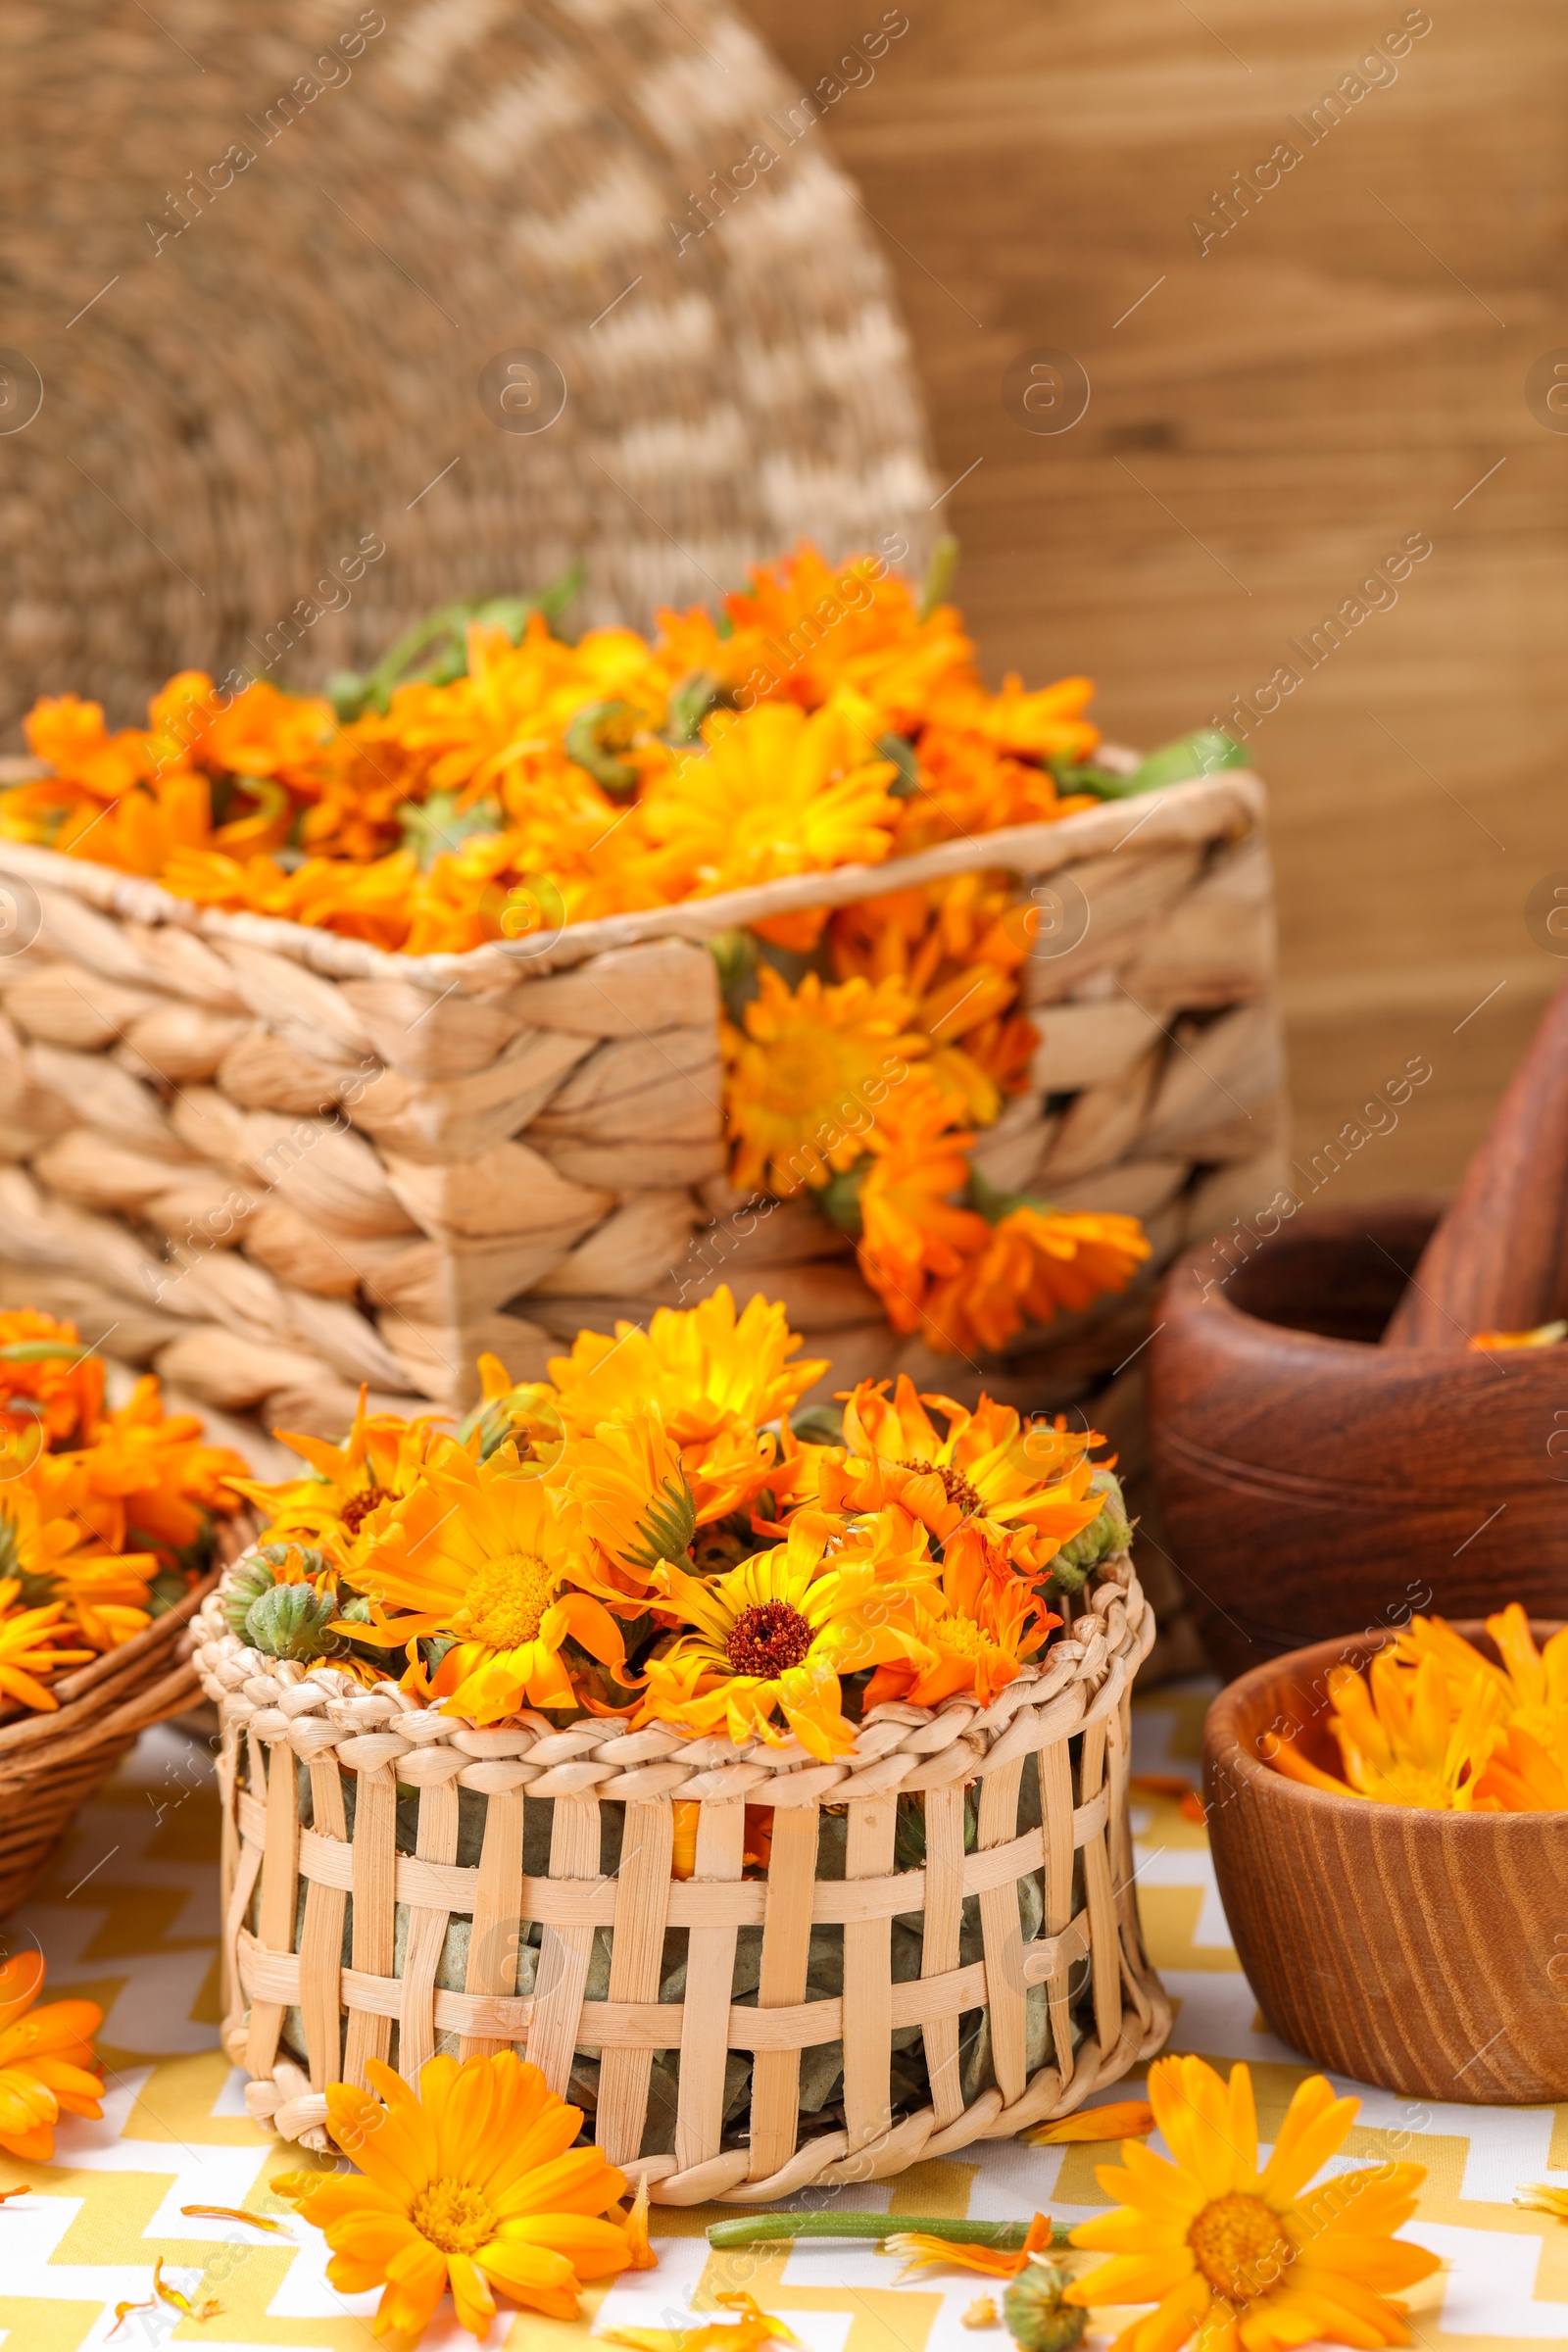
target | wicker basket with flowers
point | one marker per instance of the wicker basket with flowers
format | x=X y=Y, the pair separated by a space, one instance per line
x=531 y=982
x=113 y=1522
x=770 y=1794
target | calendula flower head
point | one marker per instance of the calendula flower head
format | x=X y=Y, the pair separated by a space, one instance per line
x=499 y=1561
x=469 y=2184
x=149 y=1477
x=31 y=1646
x=989 y=1467
x=46 y=2058
x=771 y=791
x=774 y=1637
x=811 y=1071
x=994 y=1623
x=700 y=1366
x=805 y=631
x=345 y=1502
x=526 y=1411
x=50 y=1384
x=1404 y=1738
x=1237 y=2254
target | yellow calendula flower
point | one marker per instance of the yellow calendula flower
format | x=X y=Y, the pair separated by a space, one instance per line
x=773 y=792
x=347 y=1498
x=630 y=1487
x=470 y=2184
x=714 y=1377
x=499 y=1561
x=1405 y=1737
x=772 y=1636
x=1244 y=2259
x=29 y=1648
x=811 y=1071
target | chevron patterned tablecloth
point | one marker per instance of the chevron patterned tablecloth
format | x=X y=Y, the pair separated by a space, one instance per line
x=128 y=1917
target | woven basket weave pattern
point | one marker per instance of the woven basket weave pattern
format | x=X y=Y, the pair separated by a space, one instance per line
x=1070 y=1713
x=279 y=1163
x=231 y=413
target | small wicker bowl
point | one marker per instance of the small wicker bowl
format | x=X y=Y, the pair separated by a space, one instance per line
x=1423 y=1952
x=52 y=1763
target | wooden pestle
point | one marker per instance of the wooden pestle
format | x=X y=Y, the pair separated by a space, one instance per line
x=1498 y=1260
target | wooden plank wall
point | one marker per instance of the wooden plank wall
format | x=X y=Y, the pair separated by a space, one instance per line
x=1345 y=368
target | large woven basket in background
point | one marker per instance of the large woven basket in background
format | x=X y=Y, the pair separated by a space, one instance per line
x=347 y=1911
x=228 y=414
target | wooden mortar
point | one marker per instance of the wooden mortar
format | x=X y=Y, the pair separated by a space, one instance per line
x=1423 y=1952
x=1314 y=1480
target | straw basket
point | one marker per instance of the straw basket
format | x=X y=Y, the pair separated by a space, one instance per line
x=279 y=1162
x=52 y=1763
x=378 y=1855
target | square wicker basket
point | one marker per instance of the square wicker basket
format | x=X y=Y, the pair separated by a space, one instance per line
x=679 y=2009
x=275 y=1162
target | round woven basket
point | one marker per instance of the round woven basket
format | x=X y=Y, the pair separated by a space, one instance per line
x=374 y=1851
x=250 y=371
x=52 y=1763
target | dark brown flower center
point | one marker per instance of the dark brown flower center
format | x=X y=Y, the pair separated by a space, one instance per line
x=954 y=1485
x=768 y=1639
x=360 y=1506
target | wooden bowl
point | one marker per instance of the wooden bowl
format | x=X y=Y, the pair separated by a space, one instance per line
x=1311 y=1480
x=1423 y=1952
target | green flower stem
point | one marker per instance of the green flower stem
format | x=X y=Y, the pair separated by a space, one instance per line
x=763 y=2228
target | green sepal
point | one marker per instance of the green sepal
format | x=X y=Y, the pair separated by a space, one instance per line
x=900 y=751
x=940 y=573
x=599 y=733
x=442 y=639
x=437 y=823
x=667 y=1529
x=691 y=702
x=1200 y=754
x=818 y=1425
x=1035 y=2317
x=292 y=1620
x=839 y=1199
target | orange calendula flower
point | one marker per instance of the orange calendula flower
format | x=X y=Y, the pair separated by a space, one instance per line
x=49 y=1382
x=772 y=793
x=1235 y=2254
x=471 y=2185
x=347 y=1499
x=29 y=1646
x=1016 y=1477
x=994 y=1622
x=46 y=2055
x=502 y=1563
x=811 y=1072
x=1404 y=1735
x=1543 y=1335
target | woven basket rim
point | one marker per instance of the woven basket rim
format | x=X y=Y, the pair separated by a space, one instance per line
x=1176 y=813
x=585 y=1754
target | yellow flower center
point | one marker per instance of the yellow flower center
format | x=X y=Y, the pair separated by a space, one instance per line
x=507 y=1600
x=453 y=2216
x=1240 y=2248
x=768 y=1639
x=960 y=1637
x=797 y=1080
